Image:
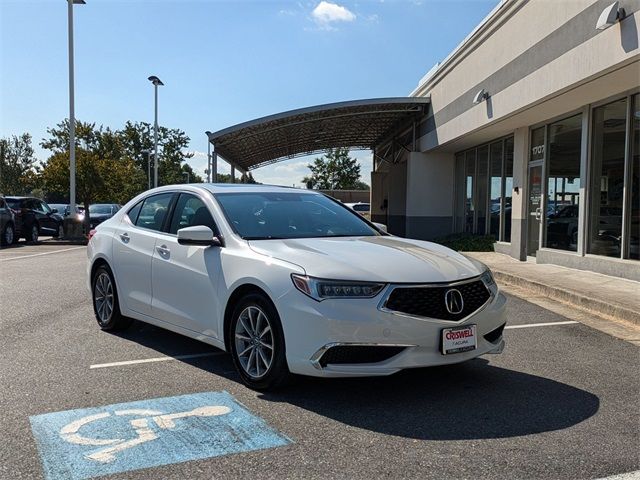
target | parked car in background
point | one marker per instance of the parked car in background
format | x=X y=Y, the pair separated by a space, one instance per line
x=360 y=207
x=7 y=224
x=99 y=212
x=34 y=218
x=64 y=209
x=290 y=281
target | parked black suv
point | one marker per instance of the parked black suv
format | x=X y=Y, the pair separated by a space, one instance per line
x=34 y=217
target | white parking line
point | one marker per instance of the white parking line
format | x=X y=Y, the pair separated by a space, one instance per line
x=155 y=359
x=549 y=324
x=39 y=254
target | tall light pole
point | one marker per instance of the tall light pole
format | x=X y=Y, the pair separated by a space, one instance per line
x=156 y=83
x=148 y=153
x=72 y=114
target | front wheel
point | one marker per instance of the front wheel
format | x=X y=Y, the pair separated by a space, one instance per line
x=33 y=233
x=105 y=301
x=8 y=235
x=257 y=343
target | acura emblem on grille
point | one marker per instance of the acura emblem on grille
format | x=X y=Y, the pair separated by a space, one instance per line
x=453 y=301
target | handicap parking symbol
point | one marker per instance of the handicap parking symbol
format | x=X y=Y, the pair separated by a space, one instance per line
x=84 y=443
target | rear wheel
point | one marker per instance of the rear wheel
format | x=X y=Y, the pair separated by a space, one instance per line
x=8 y=234
x=105 y=301
x=60 y=231
x=257 y=343
x=33 y=232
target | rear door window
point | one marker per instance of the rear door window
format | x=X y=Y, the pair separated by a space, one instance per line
x=154 y=211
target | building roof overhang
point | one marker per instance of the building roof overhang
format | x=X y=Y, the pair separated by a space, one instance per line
x=357 y=124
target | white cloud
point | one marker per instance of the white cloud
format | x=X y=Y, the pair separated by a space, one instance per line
x=327 y=13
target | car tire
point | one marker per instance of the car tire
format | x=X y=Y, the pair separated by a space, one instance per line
x=257 y=343
x=8 y=235
x=59 y=231
x=32 y=233
x=105 y=301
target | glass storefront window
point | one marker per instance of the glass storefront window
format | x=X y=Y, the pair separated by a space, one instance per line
x=495 y=189
x=470 y=174
x=488 y=182
x=607 y=185
x=508 y=188
x=481 y=203
x=634 y=222
x=563 y=183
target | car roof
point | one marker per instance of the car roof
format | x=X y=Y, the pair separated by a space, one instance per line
x=248 y=187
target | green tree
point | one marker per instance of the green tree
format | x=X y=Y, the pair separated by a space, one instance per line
x=336 y=170
x=137 y=139
x=18 y=169
x=104 y=173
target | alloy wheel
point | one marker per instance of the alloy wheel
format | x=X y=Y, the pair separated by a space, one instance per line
x=254 y=342
x=60 y=231
x=103 y=297
x=34 y=233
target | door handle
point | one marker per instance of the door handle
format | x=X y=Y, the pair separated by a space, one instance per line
x=163 y=250
x=125 y=237
x=538 y=214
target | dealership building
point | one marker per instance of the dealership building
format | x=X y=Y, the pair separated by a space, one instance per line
x=528 y=131
x=532 y=135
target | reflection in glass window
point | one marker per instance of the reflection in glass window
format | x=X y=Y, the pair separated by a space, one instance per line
x=508 y=187
x=634 y=224
x=154 y=211
x=470 y=174
x=495 y=189
x=481 y=202
x=469 y=171
x=609 y=129
x=563 y=183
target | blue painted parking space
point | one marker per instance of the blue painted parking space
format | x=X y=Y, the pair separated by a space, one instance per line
x=85 y=443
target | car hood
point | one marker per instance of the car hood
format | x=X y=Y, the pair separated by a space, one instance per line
x=382 y=259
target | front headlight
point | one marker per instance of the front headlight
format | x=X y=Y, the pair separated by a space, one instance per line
x=487 y=278
x=321 y=289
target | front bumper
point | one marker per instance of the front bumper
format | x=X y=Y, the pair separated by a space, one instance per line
x=311 y=327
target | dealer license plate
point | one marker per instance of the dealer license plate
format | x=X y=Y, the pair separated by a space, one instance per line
x=459 y=339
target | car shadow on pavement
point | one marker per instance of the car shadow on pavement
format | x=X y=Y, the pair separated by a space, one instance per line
x=473 y=400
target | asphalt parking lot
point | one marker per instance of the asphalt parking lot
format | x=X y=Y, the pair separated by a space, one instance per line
x=562 y=401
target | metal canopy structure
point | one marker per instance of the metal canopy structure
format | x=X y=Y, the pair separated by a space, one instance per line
x=358 y=124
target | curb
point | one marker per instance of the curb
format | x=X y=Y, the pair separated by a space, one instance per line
x=567 y=296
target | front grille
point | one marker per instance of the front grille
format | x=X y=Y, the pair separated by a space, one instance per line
x=430 y=301
x=342 y=354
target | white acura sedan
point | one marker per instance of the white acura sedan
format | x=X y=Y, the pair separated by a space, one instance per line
x=290 y=281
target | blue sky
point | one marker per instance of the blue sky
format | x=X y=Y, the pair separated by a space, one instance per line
x=222 y=62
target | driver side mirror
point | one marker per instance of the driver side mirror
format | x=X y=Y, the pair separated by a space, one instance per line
x=54 y=210
x=198 y=235
x=381 y=226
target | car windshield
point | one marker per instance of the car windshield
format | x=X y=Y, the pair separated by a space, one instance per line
x=100 y=209
x=264 y=216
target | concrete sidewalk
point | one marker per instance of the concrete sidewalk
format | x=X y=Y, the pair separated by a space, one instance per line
x=610 y=297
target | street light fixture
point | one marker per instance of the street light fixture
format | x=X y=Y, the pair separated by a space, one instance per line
x=156 y=82
x=72 y=116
